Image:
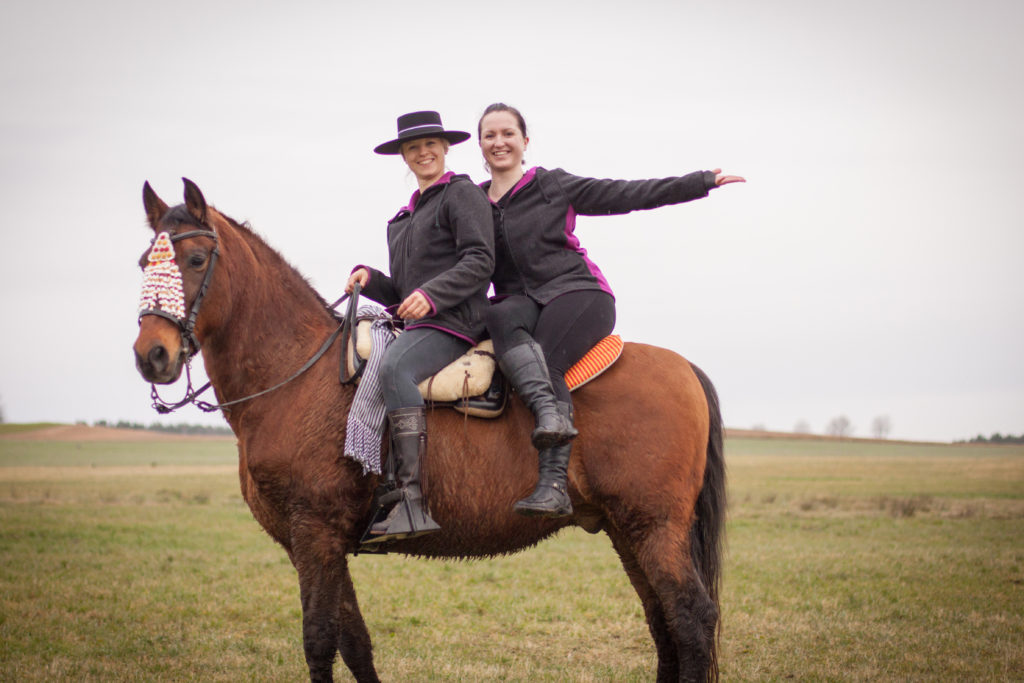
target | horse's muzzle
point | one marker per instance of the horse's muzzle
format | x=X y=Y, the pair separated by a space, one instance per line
x=157 y=364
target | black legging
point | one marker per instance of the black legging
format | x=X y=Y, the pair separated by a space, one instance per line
x=566 y=328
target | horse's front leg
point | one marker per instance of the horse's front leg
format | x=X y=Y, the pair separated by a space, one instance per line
x=331 y=620
x=353 y=639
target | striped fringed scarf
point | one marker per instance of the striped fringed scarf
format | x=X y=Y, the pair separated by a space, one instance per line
x=366 y=418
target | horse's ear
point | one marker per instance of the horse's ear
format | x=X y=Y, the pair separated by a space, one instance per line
x=155 y=207
x=194 y=201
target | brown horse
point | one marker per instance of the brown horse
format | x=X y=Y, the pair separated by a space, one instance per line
x=647 y=467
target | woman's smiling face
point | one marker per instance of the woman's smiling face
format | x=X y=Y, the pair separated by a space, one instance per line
x=501 y=141
x=425 y=158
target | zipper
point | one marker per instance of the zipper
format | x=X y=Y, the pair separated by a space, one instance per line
x=508 y=246
x=409 y=228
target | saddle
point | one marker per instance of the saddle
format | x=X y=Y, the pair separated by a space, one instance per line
x=472 y=384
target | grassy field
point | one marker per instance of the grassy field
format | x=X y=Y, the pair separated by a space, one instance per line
x=846 y=561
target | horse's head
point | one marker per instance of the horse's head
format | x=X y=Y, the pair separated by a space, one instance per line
x=178 y=270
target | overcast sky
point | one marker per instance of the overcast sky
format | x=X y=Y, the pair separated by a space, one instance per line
x=871 y=266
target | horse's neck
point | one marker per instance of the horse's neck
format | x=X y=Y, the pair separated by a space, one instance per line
x=275 y=323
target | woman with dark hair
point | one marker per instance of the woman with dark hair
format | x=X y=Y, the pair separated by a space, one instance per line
x=441 y=253
x=552 y=303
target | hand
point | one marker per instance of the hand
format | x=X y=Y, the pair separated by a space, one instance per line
x=360 y=275
x=726 y=179
x=414 y=307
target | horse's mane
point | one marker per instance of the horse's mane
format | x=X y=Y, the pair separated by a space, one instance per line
x=179 y=216
x=258 y=242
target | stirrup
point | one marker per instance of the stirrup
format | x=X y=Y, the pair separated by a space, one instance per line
x=407 y=519
x=385 y=504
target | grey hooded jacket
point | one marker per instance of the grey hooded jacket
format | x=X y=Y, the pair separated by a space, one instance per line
x=537 y=251
x=441 y=244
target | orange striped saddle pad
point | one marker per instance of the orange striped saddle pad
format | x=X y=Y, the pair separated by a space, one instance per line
x=596 y=361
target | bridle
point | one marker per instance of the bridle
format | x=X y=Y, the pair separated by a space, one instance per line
x=190 y=342
x=187 y=325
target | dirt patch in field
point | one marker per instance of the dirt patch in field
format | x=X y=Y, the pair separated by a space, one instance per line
x=87 y=433
x=21 y=475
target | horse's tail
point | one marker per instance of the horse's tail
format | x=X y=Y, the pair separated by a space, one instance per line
x=706 y=534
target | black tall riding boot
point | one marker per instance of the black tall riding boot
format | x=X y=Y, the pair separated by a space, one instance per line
x=551 y=496
x=525 y=367
x=409 y=517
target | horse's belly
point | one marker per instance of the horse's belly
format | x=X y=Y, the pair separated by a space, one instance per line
x=481 y=538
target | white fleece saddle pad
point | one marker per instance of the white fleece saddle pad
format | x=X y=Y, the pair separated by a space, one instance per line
x=469 y=375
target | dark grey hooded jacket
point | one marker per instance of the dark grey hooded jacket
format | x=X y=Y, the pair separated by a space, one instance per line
x=537 y=251
x=441 y=244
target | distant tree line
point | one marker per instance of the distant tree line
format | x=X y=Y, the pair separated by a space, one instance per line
x=841 y=427
x=996 y=438
x=181 y=428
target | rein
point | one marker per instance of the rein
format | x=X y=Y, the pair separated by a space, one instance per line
x=191 y=342
x=192 y=395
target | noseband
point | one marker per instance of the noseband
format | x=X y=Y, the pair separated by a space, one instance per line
x=187 y=325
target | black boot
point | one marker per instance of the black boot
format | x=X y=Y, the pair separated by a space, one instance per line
x=525 y=367
x=551 y=496
x=409 y=517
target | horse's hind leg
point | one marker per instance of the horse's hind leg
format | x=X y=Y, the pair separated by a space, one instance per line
x=664 y=643
x=688 y=616
x=331 y=621
x=691 y=614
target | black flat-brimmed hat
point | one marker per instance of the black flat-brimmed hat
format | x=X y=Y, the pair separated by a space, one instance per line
x=420 y=124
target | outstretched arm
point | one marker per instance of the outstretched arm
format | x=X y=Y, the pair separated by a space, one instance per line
x=600 y=197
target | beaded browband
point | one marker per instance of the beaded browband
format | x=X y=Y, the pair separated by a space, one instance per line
x=162 y=291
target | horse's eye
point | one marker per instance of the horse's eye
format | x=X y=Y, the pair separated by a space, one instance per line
x=196 y=260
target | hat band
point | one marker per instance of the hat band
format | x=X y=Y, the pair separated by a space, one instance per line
x=411 y=129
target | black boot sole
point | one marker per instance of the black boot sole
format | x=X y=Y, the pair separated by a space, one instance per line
x=541 y=512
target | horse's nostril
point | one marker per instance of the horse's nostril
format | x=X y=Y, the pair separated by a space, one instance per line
x=158 y=356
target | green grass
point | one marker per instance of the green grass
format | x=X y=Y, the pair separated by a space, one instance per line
x=16 y=427
x=846 y=561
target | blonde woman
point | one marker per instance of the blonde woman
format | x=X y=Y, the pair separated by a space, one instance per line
x=441 y=253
